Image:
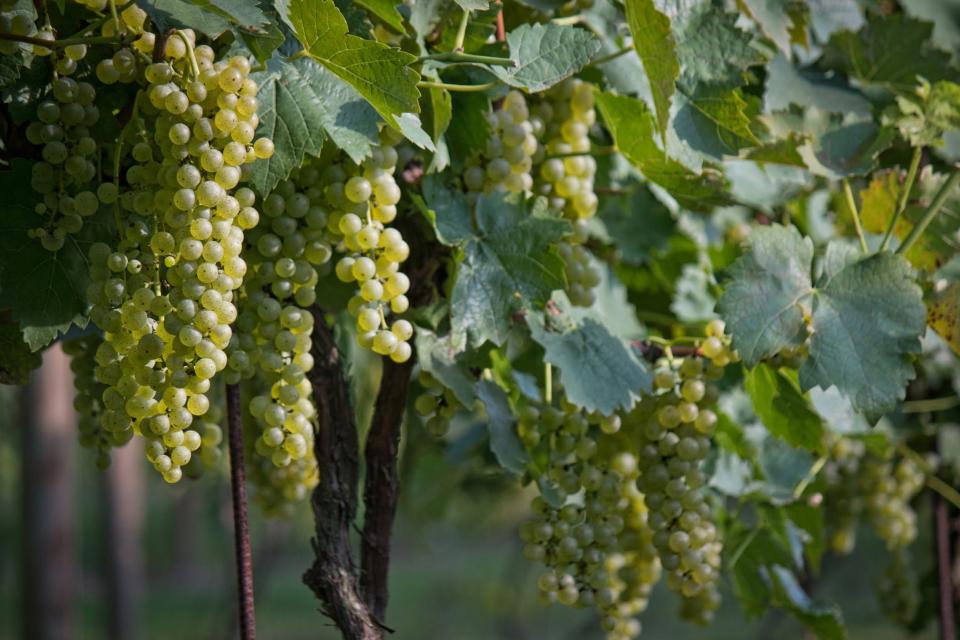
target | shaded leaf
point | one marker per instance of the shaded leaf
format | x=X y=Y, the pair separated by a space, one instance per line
x=774 y=18
x=716 y=122
x=787 y=85
x=438 y=356
x=782 y=409
x=826 y=621
x=17 y=361
x=712 y=49
x=654 y=43
x=504 y=443
x=386 y=10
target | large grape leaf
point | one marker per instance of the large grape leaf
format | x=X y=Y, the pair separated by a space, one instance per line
x=380 y=73
x=712 y=49
x=598 y=371
x=45 y=290
x=633 y=129
x=507 y=266
x=762 y=302
x=866 y=320
x=717 y=122
x=448 y=211
x=847 y=150
x=639 y=222
x=654 y=43
x=782 y=408
x=891 y=50
x=210 y=17
x=864 y=317
x=545 y=55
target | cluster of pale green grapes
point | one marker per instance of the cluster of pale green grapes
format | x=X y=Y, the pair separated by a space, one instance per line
x=857 y=483
x=896 y=591
x=88 y=401
x=123 y=65
x=165 y=297
x=272 y=342
x=506 y=164
x=362 y=202
x=565 y=176
x=674 y=427
x=595 y=542
x=436 y=405
x=65 y=176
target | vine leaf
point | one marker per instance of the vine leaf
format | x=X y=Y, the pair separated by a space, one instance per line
x=545 y=55
x=761 y=304
x=826 y=621
x=865 y=316
x=17 y=361
x=633 y=129
x=504 y=443
x=507 y=266
x=866 y=321
x=787 y=85
x=774 y=19
x=211 y=17
x=782 y=408
x=890 y=50
x=437 y=356
x=943 y=315
x=45 y=290
x=598 y=370
x=448 y=211
x=380 y=73
x=386 y=10
x=717 y=122
x=654 y=43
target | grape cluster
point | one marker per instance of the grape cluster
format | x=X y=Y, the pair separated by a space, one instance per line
x=362 y=202
x=88 y=401
x=165 y=296
x=596 y=543
x=566 y=175
x=897 y=591
x=675 y=427
x=506 y=164
x=437 y=405
x=123 y=66
x=65 y=175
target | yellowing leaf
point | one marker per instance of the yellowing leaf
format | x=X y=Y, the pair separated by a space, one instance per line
x=943 y=315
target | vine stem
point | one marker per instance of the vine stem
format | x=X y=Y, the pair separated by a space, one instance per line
x=460 y=57
x=426 y=84
x=930 y=405
x=814 y=471
x=58 y=44
x=501 y=29
x=938 y=201
x=241 y=524
x=941 y=520
x=461 y=31
x=904 y=196
x=610 y=56
x=855 y=213
x=548 y=383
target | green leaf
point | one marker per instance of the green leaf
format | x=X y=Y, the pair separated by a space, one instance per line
x=712 y=49
x=17 y=361
x=826 y=621
x=438 y=356
x=409 y=125
x=202 y=17
x=867 y=321
x=892 y=50
x=774 y=19
x=598 y=371
x=633 y=129
x=46 y=291
x=782 y=409
x=942 y=14
x=762 y=303
x=717 y=122
x=378 y=72
x=507 y=266
x=653 y=41
x=386 y=10
x=262 y=41
x=847 y=150
x=787 y=85
x=448 y=211
x=545 y=55
x=638 y=222
x=504 y=443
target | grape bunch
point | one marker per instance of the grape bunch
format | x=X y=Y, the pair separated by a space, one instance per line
x=844 y=504
x=506 y=163
x=897 y=589
x=88 y=401
x=596 y=544
x=165 y=296
x=888 y=487
x=362 y=202
x=565 y=176
x=436 y=405
x=675 y=426
x=125 y=65
x=65 y=176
